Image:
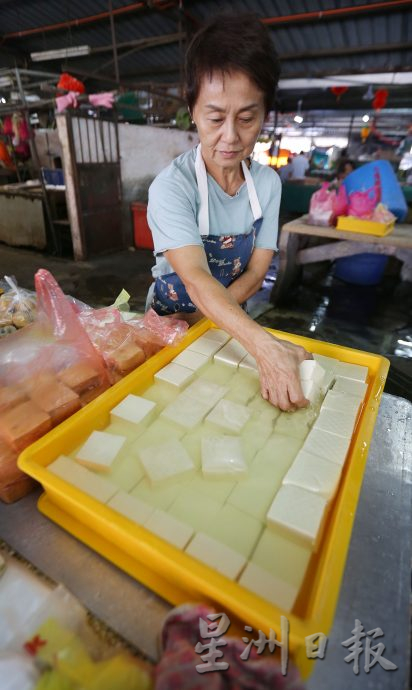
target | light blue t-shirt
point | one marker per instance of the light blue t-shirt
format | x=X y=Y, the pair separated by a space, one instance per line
x=174 y=203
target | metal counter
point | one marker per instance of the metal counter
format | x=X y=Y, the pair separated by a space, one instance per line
x=375 y=587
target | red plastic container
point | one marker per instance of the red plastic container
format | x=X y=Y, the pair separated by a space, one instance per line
x=142 y=235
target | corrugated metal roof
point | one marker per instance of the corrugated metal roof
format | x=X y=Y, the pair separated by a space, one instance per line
x=300 y=43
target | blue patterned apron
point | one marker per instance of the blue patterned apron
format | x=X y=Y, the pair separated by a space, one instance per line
x=227 y=255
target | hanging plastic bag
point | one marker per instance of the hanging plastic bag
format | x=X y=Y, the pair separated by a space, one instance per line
x=321 y=209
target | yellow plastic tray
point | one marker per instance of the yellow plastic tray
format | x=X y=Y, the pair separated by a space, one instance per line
x=175 y=575
x=366 y=227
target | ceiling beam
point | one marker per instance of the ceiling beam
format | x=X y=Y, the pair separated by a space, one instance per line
x=142 y=43
x=344 y=51
x=337 y=13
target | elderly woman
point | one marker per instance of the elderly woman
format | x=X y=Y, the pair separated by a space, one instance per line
x=213 y=212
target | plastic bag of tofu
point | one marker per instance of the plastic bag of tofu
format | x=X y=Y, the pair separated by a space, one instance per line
x=48 y=371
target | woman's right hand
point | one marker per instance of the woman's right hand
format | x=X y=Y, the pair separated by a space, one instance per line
x=278 y=363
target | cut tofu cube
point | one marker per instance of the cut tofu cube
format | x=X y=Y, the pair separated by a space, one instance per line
x=194 y=509
x=264 y=409
x=204 y=345
x=298 y=512
x=243 y=388
x=186 y=411
x=160 y=496
x=194 y=361
x=312 y=390
x=311 y=370
x=249 y=364
x=297 y=423
x=126 y=471
x=329 y=446
x=267 y=587
x=327 y=381
x=314 y=474
x=218 y=335
x=352 y=371
x=129 y=431
x=217 y=373
x=210 y=488
x=131 y=507
x=254 y=435
x=206 y=392
x=169 y=528
x=327 y=363
x=282 y=558
x=58 y=401
x=166 y=461
x=134 y=410
x=277 y=455
x=24 y=424
x=356 y=388
x=192 y=441
x=235 y=529
x=161 y=395
x=229 y=416
x=231 y=354
x=80 y=377
x=174 y=375
x=336 y=422
x=92 y=484
x=341 y=401
x=222 y=457
x=216 y=555
x=159 y=432
x=100 y=450
x=255 y=494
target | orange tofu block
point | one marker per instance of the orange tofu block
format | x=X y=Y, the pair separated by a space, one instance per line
x=13 y=492
x=80 y=377
x=9 y=472
x=127 y=357
x=10 y=396
x=23 y=425
x=57 y=400
x=34 y=382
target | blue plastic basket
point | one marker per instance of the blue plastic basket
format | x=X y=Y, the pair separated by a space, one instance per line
x=53 y=176
x=361 y=269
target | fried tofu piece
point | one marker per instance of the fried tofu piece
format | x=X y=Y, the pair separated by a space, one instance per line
x=127 y=357
x=57 y=400
x=80 y=377
x=23 y=425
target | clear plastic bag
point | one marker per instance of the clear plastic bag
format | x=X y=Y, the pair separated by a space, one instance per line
x=17 y=306
x=321 y=209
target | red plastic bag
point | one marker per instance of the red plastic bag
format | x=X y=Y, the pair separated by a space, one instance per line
x=321 y=210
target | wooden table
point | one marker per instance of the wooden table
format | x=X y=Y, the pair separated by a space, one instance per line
x=294 y=252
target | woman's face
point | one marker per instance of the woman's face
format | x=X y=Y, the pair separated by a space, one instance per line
x=229 y=114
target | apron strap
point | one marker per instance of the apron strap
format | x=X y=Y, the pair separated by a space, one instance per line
x=201 y=176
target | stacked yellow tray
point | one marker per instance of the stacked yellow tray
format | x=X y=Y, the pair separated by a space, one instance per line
x=366 y=227
x=148 y=558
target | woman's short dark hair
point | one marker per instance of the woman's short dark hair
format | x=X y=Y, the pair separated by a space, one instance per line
x=232 y=43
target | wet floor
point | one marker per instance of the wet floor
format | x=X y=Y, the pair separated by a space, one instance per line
x=373 y=318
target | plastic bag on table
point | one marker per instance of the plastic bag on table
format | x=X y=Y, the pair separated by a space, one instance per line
x=363 y=202
x=340 y=204
x=382 y=214
x=321 y=209
x=17 y=306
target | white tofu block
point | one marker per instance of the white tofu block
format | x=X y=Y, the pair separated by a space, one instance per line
x=235 y=529
x=166 y=461
x=218 y=335
x=311 y=370
x=277 y=455
x=206 y=391
x=92 y=484
x=129 y=431
x=336 y=422
x=100 y=450
x=281 y=557
x=263 y=409
x=327 y=363
x=134 y=409
x=205 y=345
x=169 y=528
x=327 y=381
x=160 y=394
x=356 y=388
x=352 y=371
x=127 y=470
x=192 y=442
x=192 y=360
x=231 y=354
x=249 y=364
x=159 y=432
x=297 y=423
x=229 y=416
x=217 y=373
x=312 y=390
x=329 y=446
x=341 y=401
x=174 y=375
x=267 y=587
x=194 y=509
x=255 y=494
x=243 y=388
x=218 y=491
x=216 y=555
x=254 y=435
x=314 y=474
x=160 y=496
x=222 y=457
x=131 y=507
x=299 y=512
x=186 y=411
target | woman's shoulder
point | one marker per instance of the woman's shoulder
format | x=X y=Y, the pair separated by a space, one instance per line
x=267 y=180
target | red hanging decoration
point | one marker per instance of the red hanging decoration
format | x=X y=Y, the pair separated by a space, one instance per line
x=379 y=102
x=69 y=83
x=338 y=91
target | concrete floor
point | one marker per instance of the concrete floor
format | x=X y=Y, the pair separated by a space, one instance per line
x=377 y=319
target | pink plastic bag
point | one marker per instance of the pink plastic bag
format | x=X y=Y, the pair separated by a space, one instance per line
x=362 y=203
x=321 y=210
x=340 y=205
